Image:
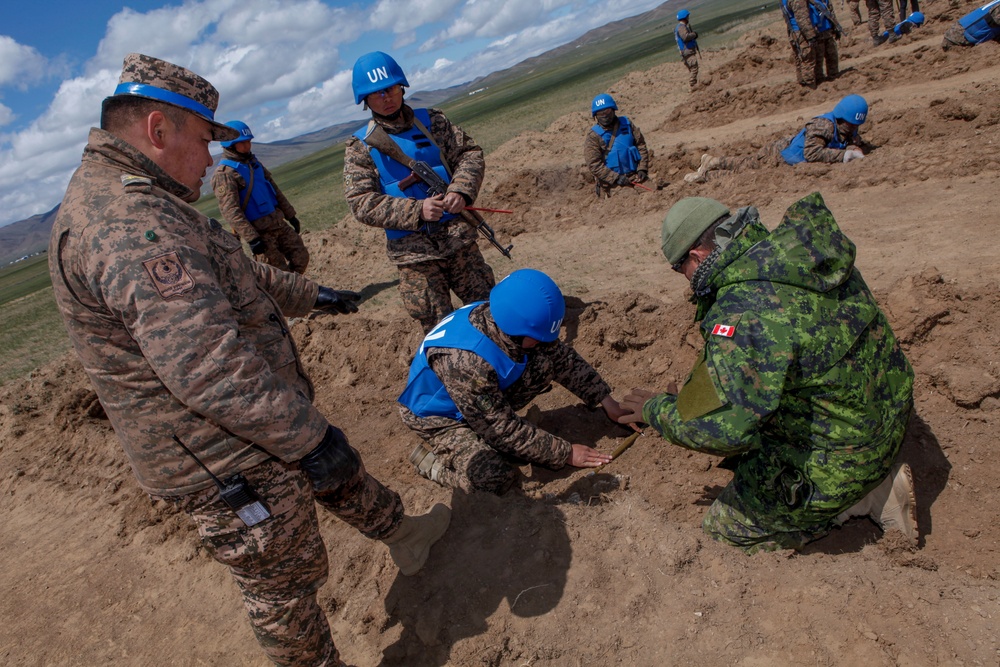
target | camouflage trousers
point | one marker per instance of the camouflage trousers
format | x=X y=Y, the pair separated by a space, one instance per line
x=426 y=287
x=690 y=59
x=914 y=6
x=466 y=462
x=881 y=16
x=281 y=563
x=284 y=247
x=789 y=499
x=954 y=36
x=854 y=9
x=769 y=155
x=822 y=51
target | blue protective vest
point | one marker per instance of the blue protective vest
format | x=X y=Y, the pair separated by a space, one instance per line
x=690 y=45
x=417 y=146
x=623 y=157
x=820 y=22
x=979 y=25
x=425 y=395
x=795 y=152
x=262 y=200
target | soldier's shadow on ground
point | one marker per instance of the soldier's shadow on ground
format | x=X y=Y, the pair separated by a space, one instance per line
x=931 y=470
x=369 y=292
x=509 y=550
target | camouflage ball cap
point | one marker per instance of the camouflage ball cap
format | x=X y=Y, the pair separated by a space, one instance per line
x=155 y=79
x=685 y=222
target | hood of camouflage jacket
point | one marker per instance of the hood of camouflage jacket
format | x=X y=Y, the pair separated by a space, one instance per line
x=807 y=250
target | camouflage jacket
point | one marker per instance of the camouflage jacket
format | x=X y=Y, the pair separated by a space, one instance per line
x=686 y=34
x=799 y=365
x=180 y=333
x=474 y=387
x=370 y=205
x=819 y=134
x=595 y=151
x=227 y=183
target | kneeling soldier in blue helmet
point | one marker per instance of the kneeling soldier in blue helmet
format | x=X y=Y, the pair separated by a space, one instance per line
x=801 y=384
x=433 y=248
x=831 y=137
x=481 y=364
x=254 y=206
x=614 y=149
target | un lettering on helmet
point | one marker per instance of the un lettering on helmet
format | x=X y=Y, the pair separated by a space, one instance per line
x=378 y=74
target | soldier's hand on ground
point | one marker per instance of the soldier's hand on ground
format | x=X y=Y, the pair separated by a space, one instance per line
x=623 y=181
x=852 y=154
x=257 y=246
x=583 y=456
x=294 y=222
x=454 y=202
x=632 y=404
x=615 y=410
x=432 y=208
x=642 y=175
x=337 y=301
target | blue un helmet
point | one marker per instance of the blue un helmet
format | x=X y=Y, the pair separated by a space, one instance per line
x=601 y=102
x=853 y=109
x=528 y=303
x=683 y=14
x=242 y=128
x=373 y=72
x=916 y=18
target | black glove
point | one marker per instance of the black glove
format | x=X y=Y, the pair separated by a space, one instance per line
x=257 y=246
x=332 y=463
x=623 y=181
x=294 y=222
x=642 y=175
x=337 y=301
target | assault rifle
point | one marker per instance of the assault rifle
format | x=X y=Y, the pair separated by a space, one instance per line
x=828 y=15
x=787 y=14
x=422 y=172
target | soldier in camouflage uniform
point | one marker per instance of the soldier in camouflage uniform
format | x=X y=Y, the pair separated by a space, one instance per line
x=832 y=137
x=813 y=31
x=184 y=339
x=978 y=26
x=478 y=367
x=854 y=9
x=433 y=248
x=257 y=210
x=881 y=19
x=801 y=384
x=614 y=149
x=687 y=44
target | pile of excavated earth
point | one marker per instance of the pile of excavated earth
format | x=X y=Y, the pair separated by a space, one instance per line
x=578 y=567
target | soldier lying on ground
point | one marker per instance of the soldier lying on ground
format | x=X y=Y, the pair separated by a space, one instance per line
x=977 y=27
x=831 y=137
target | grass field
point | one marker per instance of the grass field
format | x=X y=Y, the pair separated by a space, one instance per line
x=32 y=333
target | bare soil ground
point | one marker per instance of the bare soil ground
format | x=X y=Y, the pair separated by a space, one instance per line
x=579 y=568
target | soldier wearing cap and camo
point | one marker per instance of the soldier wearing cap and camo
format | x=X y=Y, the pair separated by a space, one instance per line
x=435 y=251
x=614 y=149
x=480 y=365
x=184 y=339
x=255 y=207
x=831 y=137
x=801 y=385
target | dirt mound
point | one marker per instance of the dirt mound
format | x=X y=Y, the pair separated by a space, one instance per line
x=592 y=567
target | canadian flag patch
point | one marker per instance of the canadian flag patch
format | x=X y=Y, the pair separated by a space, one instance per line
x=726 y=330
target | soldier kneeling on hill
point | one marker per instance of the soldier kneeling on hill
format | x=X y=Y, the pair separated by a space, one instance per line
x=614 y=149
x=476 y=368
x=801 y=384
x=831 y=137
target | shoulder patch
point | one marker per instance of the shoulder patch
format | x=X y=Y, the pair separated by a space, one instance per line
x=131 y=181
x=726 y=330
x=170 y=278
x=485 y=403
x=698 y=396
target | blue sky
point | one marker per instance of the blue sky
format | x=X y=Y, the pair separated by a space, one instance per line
x=283 y=66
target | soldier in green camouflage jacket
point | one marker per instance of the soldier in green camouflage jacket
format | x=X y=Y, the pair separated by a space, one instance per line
x=801 y=385
x=185 y=341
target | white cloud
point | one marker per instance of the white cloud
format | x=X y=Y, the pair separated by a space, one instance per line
x=401 y=16
x=6 y=115
x=20 y=65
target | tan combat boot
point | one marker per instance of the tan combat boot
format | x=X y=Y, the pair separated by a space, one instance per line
x=891 y=504
x=411 y=544
x=708 y=163
x=426 y=463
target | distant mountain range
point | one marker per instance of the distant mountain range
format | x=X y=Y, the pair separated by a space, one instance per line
x=31 y=236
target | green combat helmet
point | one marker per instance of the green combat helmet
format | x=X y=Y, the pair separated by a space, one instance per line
x=685 y=222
